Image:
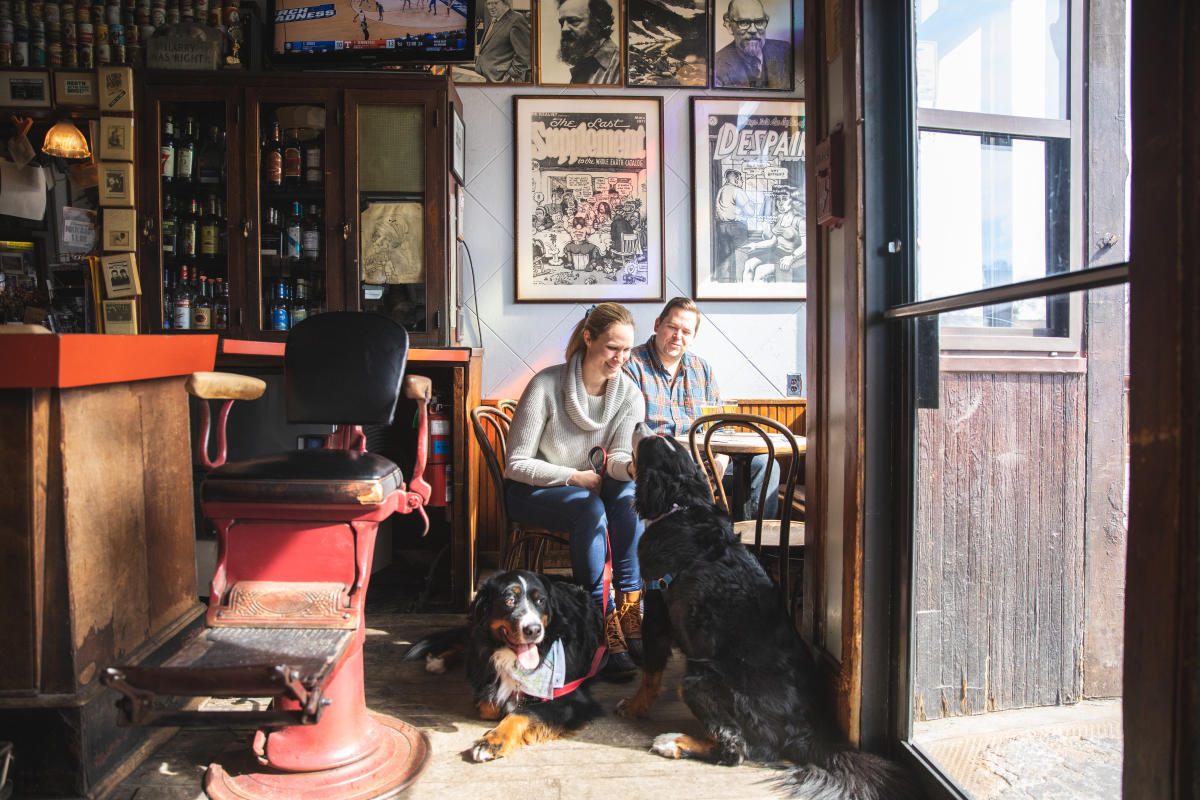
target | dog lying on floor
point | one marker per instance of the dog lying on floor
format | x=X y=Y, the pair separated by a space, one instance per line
x=532 y=646
x=750 y=678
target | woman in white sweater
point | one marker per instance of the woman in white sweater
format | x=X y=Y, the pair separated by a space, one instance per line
x=564 y=412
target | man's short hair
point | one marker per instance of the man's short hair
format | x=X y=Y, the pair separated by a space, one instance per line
x=600 y=14
x=732 y=173
x=683 y=304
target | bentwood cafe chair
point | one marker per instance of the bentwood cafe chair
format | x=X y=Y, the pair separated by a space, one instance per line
x=296 y=533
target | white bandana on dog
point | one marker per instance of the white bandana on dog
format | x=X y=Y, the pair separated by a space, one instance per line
x=542 y=680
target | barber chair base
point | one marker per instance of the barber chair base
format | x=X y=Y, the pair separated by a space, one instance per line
x=393 y=766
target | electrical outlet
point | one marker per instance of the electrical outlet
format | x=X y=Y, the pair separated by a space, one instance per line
x=795 y=384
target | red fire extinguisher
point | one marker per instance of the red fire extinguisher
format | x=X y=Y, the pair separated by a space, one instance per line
x=439 y=469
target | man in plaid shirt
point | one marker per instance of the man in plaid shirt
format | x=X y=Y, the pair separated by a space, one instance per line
x=677 y=384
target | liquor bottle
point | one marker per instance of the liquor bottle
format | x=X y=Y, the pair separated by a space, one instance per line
x=170 y=227
x=314 y=161
x=221 y=306
x=291 y=159
x=202 y=306
x=223 y=229
x=310 y=233
x=280 y=312
x=185 y=152
x=210 y=226
x=291 y=234
x=271 y=239
x=166 y=151
x=272 y=159
x=300 y=302
x=168 y=298
x=210 y=157
x=189 y=225
x=183 y=302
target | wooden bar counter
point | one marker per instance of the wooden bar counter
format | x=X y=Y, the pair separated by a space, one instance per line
x=96 y=543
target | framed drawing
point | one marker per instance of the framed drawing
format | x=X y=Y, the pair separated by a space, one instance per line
x=458 y=145
x=579 y=43
x=391 y=243
x=116 y=184
x=75 y=89
x=119 y=229
x=503 y=45
x=666 y=43
x=752 y=44
x=589 y=199
x=120 y=276
x=120 y=316
x=748 y=204
x=116 y=138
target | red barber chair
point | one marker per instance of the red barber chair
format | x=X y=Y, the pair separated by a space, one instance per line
x=296 y=533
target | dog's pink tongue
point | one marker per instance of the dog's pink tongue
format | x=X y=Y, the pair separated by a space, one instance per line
x=527 y=655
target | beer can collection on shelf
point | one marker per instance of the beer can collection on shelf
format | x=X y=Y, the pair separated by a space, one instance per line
x=83 y=35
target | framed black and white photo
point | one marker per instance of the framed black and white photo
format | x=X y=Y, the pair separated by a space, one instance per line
x=75 y=89
x=120 y=316
x=748 y=211
x=753 y=44
x=589 y=199
x=666 y=43
x=458 y=145
x=120 y=275
x=119 y=226
x=503 y=45
x=579 y=43
x=116 y=184
x=116 y=138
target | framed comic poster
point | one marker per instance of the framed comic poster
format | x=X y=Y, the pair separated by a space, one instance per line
x=748 y=203
x=589 y=199
x=579 y=43
x=666 y=43
x=503 y=45
x=752 y=44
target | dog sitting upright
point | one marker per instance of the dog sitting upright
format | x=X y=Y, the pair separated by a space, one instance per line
x=749 y=678
x=532 y=646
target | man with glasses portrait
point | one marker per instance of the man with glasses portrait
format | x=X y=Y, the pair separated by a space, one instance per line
x=751 y=60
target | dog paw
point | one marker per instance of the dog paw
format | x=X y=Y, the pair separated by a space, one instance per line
x=667 y=745
x=484 y=750
x=435 y=664
x=629 y=708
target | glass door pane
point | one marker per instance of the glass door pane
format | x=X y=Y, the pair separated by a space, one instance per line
x=293 y=251
x=1021 y=481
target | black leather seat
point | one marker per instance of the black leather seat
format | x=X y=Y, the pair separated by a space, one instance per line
x=305 y=477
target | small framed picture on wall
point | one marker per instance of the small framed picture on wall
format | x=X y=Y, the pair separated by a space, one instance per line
x=753 y=44
x=116 y=184
x=667 y=43
x=503 y=45
x=579 y=43
x=116 y=138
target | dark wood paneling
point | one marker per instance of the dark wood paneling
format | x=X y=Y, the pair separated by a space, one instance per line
x=999 y=591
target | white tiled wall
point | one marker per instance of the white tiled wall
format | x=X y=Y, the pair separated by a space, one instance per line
x=751 y=345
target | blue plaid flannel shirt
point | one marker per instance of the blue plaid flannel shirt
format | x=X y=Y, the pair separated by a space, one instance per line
x=672 y=404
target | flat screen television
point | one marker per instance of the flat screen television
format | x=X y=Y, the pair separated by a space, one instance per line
x=366 y=33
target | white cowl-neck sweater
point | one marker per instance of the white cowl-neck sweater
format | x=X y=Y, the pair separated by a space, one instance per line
x=555 y=426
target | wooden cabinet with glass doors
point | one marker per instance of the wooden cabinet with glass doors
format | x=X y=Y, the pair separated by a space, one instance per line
x=277 y=197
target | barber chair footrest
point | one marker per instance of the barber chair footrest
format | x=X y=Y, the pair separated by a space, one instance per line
x=235 y=662
x=402 y=755
x=285 y=604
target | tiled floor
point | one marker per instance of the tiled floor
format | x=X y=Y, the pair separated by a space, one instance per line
x=608 y=759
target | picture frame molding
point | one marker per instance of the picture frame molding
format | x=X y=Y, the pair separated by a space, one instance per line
x=617 y=285
x=768 y=179
x=108 y=151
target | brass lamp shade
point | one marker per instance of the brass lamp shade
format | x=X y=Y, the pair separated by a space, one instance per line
x=66 y=141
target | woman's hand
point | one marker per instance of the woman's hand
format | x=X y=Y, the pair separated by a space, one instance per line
x=586 y=480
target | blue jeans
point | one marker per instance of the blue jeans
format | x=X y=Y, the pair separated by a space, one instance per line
x=734 y=481
x=584 y=516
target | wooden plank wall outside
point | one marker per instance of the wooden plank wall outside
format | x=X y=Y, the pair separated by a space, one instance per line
x=999 y=559
x=490 y=522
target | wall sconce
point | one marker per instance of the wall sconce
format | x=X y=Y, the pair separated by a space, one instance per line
x=64 y=140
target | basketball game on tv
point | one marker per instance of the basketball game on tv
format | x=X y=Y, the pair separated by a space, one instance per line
x=401 y=31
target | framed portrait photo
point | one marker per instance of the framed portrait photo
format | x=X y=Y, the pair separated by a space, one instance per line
x=120 y=316
x=589 y=199
x=73 y=89
x=753 y=44
x=120 y=276
x=576 y=48
x=116 y=138
x=666 y=43
x=748 y=201
x=503 y=45
x=116 y=184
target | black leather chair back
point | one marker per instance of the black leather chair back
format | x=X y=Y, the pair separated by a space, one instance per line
x=344 y=368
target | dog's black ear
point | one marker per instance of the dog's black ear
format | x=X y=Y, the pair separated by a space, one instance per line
x=654 y=492
x=481 y=606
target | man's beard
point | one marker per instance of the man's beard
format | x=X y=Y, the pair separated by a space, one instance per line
x=573 y=48
x=751 y=50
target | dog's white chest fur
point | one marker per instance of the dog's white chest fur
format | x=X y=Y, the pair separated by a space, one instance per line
x=504 y=662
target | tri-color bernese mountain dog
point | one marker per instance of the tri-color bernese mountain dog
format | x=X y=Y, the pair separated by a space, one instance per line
x=531 y=648
x=749 y=678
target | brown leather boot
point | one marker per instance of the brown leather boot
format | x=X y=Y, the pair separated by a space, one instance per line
x=629 y=613
x=619 y=666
